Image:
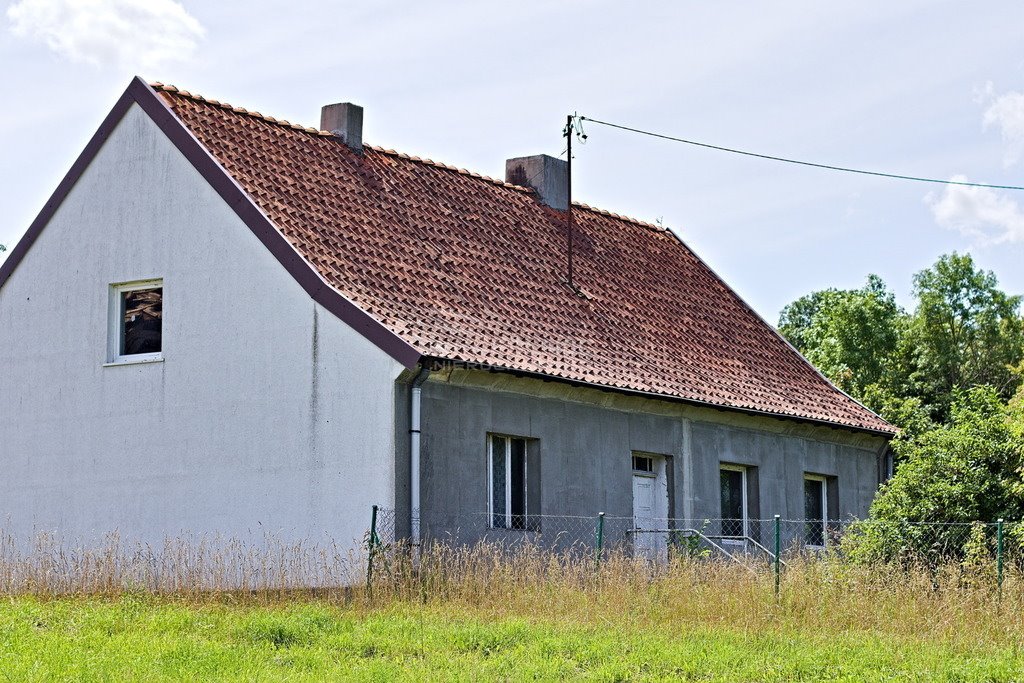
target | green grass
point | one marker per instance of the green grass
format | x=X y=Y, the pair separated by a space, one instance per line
x=154 y=639
x=483 y=613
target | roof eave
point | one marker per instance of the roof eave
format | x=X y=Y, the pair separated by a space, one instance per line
x=663 y=397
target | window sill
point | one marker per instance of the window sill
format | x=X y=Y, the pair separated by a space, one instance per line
x=129 y=360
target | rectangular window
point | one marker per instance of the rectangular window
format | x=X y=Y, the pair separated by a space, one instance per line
x=815 y=510
x=643 y=463
x=734 y=502
x=136 y=324
x=514 y=485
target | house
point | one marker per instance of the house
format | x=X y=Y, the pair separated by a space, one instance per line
x=223 y=322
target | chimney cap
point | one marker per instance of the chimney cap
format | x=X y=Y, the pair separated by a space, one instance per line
x=345 y=120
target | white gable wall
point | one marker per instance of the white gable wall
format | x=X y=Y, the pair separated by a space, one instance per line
x=268 y=413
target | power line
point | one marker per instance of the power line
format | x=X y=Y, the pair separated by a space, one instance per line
x=800 y=163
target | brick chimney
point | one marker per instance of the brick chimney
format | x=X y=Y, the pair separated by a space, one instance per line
x=346 y=121
x=548 y=176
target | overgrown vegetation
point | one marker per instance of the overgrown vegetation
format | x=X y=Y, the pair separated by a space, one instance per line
x=483 y=613
x=964 y=332
x=948 y=374
x=966 y=470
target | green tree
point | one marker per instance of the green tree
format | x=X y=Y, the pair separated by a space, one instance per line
x=852 y=336
x=906 y=412
x=967 y=470
x=965 y=331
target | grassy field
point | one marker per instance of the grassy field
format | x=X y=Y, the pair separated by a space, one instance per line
x=133 y=638
x=476 y=615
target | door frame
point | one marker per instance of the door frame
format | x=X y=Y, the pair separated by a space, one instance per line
x=744 y=501
x=660 y=477
x=823 y=480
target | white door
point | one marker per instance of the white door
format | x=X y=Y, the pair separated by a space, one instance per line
x=650 y=507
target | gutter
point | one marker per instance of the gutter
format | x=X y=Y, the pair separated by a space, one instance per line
x=414 y=455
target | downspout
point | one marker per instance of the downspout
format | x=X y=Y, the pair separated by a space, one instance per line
x=414 y=456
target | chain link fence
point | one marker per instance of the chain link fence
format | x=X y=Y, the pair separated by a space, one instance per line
x=979 y=553
x=978 y=549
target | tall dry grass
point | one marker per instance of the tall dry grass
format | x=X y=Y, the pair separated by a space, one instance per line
x=823 y=594
x=195 y=567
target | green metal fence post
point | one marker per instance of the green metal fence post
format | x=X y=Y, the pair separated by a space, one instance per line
x=778 y=552
x=999 y=555
x=371 y=543
x=600 y=540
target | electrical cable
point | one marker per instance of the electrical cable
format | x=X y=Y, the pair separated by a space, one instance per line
x=800 y=163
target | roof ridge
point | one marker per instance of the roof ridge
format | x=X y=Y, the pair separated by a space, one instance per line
x=447 y=167
x=164 y=87
x=621 y=217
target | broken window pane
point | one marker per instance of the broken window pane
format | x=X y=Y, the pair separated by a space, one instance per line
x=141 y=321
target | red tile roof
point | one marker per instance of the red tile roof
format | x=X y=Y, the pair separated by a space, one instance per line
x=468 y=268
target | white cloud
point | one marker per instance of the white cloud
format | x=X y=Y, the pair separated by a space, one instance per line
x=1007 y=112
x=978 y=212
x=134 y=34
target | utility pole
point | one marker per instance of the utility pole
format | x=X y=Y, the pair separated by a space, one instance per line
x=568 y=192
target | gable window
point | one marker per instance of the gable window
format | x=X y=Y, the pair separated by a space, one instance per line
x=815 y=510
x=136 y=322
x=513 y=483
x=733 y=479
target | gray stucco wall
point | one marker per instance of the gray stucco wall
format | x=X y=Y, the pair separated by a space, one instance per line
x=586 y=438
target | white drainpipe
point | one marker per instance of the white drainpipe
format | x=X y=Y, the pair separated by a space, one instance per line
x=414 y=456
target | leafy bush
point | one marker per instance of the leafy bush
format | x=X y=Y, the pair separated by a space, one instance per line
x=967 y=470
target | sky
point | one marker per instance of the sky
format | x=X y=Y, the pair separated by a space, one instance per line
x=925 y=88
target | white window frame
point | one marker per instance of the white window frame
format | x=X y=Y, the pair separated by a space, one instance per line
x=824 y=509
x=508 y=481
x=115 y=324
x=744 y=511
